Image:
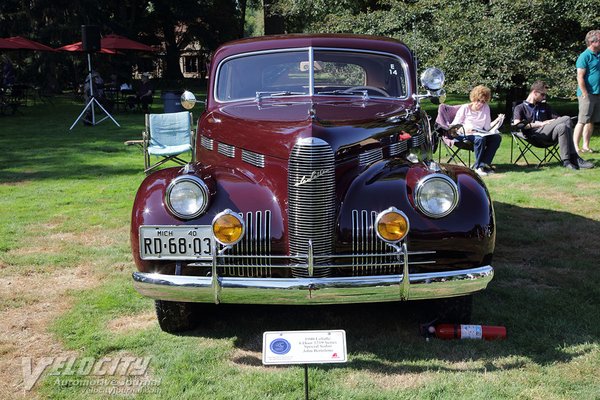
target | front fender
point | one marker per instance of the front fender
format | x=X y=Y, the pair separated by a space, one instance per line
x=229 y=189
x=463 y=239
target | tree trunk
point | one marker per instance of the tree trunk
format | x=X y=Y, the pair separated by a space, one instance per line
x=172 y=67
x=274 y=23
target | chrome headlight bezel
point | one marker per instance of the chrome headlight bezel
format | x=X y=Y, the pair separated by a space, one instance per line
x=202 y=189
x=423 y=184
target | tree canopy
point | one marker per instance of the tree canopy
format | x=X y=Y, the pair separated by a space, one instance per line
x=504 y=44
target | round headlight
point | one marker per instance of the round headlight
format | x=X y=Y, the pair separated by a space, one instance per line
x=392 y=225
x=187 y=197
x=432 y=79
x=436 y=195
x=228 y=227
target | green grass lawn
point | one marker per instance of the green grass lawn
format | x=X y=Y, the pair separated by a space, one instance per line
x=65 y=287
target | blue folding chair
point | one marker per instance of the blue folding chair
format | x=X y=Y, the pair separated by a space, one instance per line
x=168 y=136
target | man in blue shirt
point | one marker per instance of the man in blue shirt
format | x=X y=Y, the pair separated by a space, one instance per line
x=588 y=91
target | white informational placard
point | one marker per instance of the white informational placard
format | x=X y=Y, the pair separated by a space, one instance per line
x=304 y=347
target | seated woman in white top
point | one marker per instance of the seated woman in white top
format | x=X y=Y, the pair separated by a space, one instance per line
x=475 y=118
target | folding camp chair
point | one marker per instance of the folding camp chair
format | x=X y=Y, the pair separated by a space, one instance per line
x=167 y=136
x=450 y=145
x=526 y=145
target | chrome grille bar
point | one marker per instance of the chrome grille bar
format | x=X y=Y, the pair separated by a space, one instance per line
x=251 y=257
x=398 y=148
x=311 y=194
x=370 y=156
x=366 y=242
x=226 y=149
x=255 y=159
x=418 y=140
x=207 y=143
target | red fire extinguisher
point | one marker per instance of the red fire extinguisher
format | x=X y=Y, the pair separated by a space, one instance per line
x=455 y=331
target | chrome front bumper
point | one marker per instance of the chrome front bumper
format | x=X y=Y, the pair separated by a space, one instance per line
x=364 y=289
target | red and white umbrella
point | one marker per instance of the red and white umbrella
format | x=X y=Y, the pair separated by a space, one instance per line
x=116 y=42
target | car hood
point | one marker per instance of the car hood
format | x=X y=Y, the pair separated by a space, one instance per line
x=272 y=127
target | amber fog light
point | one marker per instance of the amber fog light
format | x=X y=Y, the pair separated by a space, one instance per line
x=392 y=225
x=228 y=227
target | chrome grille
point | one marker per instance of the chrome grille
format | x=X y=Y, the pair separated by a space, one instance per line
x=255 y=159
x=365 y=241
x=207 y=143
x=256 y=242
x=370 y=156
x=311 y=191
x=226 y=150
x=398 y=148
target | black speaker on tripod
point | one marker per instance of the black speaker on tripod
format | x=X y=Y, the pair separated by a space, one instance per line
x=90 y=43
x=90 y=38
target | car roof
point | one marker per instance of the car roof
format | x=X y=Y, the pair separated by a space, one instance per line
x=275 y=42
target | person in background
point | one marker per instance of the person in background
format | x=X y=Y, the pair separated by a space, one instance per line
x=539 y=119
x=143 y=94
x=8 y=72
x=588 y=91
x=476 y=116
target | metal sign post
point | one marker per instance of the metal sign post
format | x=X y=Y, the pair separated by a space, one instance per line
x=304 y=348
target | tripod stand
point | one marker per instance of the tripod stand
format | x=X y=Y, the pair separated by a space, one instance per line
x=92 y=101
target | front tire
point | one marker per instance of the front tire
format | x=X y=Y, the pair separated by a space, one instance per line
x=174 y=317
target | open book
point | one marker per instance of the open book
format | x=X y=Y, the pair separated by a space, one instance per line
x=494 y=128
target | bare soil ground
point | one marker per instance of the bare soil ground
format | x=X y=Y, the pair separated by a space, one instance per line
x=28 y=305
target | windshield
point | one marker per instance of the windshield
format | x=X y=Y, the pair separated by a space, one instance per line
x=334 y=73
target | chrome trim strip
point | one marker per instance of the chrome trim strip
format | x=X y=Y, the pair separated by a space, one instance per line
x=207 y=143
x=398 y=147
x=226 y=149
x=370 y=156
x=362 y=289
x=258 y=160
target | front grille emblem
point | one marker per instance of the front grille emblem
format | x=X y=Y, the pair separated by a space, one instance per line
x=314 y=175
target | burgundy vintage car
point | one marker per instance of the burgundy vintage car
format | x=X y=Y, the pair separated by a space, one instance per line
x=314 y=183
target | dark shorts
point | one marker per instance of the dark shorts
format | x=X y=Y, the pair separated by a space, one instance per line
x=589 y=109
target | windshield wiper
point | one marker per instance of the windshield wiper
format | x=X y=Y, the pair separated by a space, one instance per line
x=260 y=95
x=363 y=92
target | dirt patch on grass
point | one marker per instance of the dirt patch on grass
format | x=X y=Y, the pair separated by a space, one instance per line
x=29 y=304
x=384 y=381
x=132 y=323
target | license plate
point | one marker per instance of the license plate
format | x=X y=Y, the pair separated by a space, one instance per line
x=167 y=242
